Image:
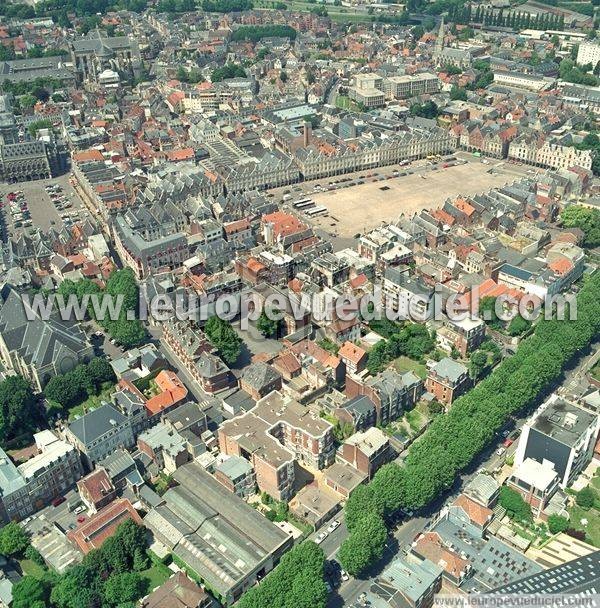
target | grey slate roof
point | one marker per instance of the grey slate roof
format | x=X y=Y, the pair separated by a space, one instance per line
x=258 y=375
x=96 y=423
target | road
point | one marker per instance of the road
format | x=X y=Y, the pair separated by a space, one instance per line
x=399 y=541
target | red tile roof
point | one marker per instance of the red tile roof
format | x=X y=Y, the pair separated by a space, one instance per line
x=92 y=533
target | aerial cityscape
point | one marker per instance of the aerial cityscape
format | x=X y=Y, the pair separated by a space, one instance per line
x=299 y=303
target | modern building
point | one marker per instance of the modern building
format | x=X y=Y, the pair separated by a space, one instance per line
x=536 y=482
x=411 y=85
x=368 y=90
x=588 y=52
x=216 y=534
x=561 y=434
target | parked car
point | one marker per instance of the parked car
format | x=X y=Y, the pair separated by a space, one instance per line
x=58 y=501
x=333 y=525
x=321 y=537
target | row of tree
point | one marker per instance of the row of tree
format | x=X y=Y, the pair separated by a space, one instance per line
x=454 y=440
x=515 y=20
x=297 y=582
x=255 y=33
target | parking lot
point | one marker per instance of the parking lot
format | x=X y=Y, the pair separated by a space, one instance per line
x=358 y=205
x=40 y=204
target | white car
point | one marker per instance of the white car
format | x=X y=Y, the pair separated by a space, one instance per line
x=321 y=537
x=344 y=575
x=333 y=525
x=79 y=509
x=500 y=451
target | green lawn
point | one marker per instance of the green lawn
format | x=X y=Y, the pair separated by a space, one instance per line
x=93 y=402
x=403 y=364
x=155 y=576
x=592 y=530
x=595 y=371
x=32 y=569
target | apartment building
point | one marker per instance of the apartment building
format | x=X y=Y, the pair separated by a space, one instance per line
x=588 y=52
x=389 y=391
x=536 y=482
x=34 y=484
x=527 y=149
x=272 y=436
x=330 y=159
x=366 y=451
x=447 y=380
x=465 y=335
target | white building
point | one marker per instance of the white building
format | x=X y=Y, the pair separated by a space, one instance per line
x=588 y=52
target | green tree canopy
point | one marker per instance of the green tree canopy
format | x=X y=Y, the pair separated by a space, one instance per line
x=13 y=539
x=224 y=338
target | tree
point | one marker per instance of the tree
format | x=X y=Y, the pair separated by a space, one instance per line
x=557 y=523
x=458 y=94
x=100 y=371
x=267 y=325
x=388 y=488
x=361 y=502
x=28 y=591
x=518 y=326
x=354 y=555
x=418 y=32
x=18 y=412
x=34 y=555
x=13 y=539
x=224 y=339
x=370 y=535
x=429 y=109
x=487 y=312
x=297 y=582
x=585 y=219
x=478 y=364
x=123 y=587
x=586 y=498
x=514 y=504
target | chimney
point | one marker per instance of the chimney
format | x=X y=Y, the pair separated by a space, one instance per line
x=307 y=127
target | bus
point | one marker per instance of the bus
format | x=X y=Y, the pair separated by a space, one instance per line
x=306 y=205
x=299 y=204
x=316 y=211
